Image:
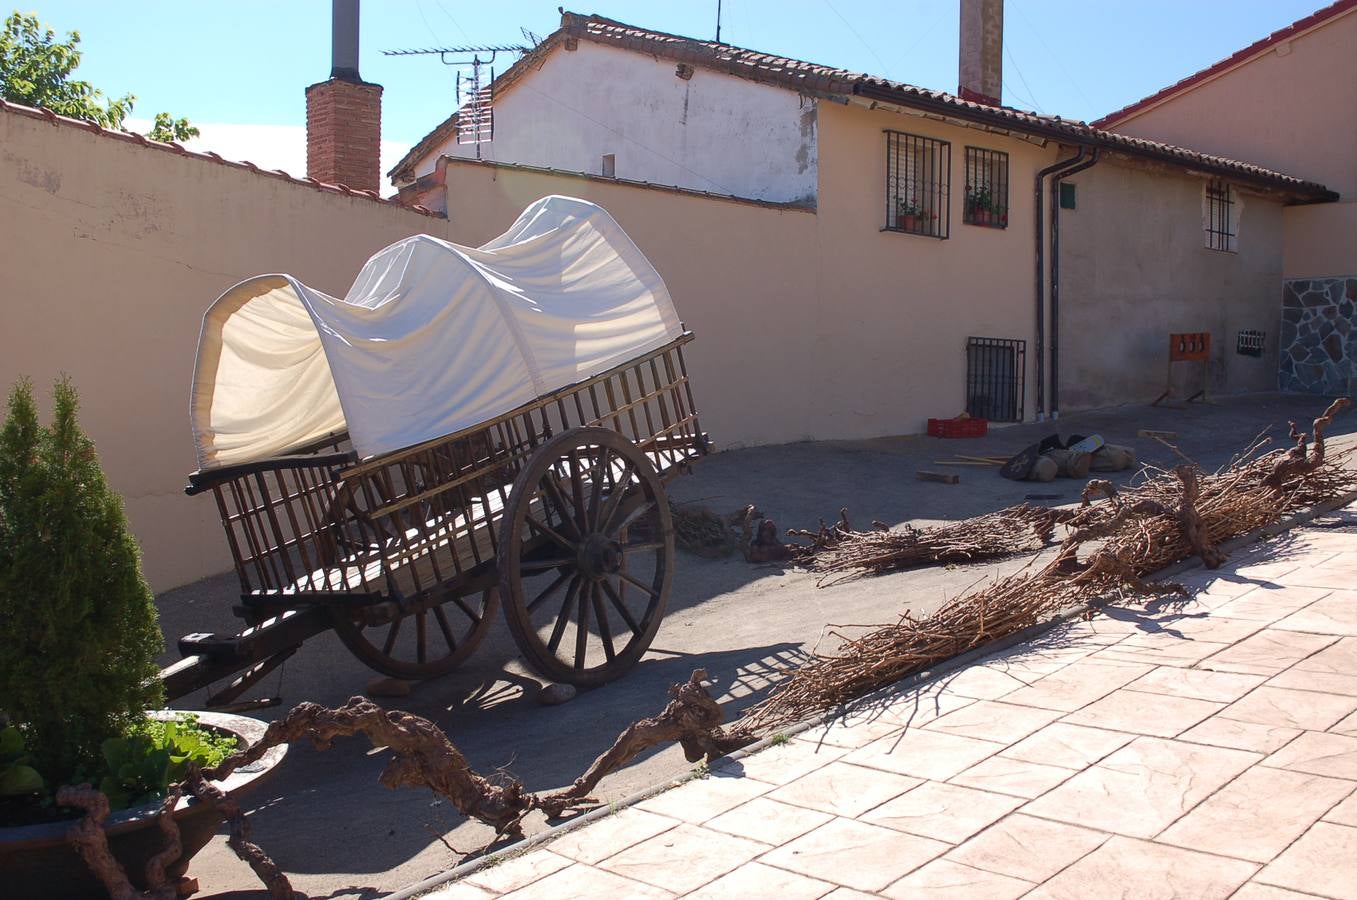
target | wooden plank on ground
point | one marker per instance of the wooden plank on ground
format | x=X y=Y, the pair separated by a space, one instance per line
x=940 y=477
x=1160 y=435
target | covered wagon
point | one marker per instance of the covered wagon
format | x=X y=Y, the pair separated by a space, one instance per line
x=466 y=427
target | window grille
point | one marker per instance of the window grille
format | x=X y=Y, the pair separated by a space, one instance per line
x=917 y=194
x=994 y=378
x=1222 y=216
x=986 y=188
x=1251 y=342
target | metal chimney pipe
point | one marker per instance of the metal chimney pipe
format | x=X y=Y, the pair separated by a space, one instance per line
x=344 y=40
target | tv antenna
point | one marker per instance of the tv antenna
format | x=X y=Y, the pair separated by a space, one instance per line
x=475 y=92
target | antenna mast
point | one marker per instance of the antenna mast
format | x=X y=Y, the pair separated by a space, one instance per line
x=475 y=94
x=718 y=21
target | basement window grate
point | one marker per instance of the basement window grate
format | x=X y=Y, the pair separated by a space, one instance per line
x=1251 y=342
x=917 y=192
x=994 y=378
x=986 y=188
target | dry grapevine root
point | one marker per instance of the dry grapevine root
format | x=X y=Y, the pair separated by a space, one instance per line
x=421 y=755
x=1170 y=517
x=840 y=552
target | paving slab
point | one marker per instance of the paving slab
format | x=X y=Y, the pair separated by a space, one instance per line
x=1226 y=773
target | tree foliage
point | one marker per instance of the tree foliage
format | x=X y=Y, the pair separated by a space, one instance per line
x=79 y=633
x=36 y=69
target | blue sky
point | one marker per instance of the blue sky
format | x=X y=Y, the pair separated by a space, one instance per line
x=239 y=68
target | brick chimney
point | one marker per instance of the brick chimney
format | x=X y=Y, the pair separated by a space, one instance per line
x=344 y=114
x=981 y=66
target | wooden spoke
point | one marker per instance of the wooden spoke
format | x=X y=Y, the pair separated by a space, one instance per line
x=563 y=617
x=598 y=478
x=635 y=514
x=391 y=637
x=459 y=622
x=615 y=499
x=582 y=624
x=645 y=588
x=616 y=600
x=553 y=490
x=542 y=565
x=548 y=531
x=470 y=613
x=421 y=636
x=550 y=589
x=444 y=627
x=577 y=492
x=601 y=615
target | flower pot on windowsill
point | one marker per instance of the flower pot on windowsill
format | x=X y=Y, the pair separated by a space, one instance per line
x=909 y=222
x=40 y=861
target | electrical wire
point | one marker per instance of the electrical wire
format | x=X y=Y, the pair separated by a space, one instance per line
x=1050 y=53
x=1031 y=97
x=885 y=70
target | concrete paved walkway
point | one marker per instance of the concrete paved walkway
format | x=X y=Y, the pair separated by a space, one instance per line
x=1200 y=748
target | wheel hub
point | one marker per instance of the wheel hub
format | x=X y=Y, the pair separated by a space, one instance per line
x=599 y=556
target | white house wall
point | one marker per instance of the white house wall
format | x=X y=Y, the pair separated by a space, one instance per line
x=711 y=132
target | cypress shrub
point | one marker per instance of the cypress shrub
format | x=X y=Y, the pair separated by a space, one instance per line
x=79 y=633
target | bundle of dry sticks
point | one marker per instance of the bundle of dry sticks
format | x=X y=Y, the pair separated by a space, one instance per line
x=1170 y=517
x=841 y=552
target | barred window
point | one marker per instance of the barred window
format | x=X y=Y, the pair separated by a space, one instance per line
x=917 y=194
x=986 y=188
x=1221 y=217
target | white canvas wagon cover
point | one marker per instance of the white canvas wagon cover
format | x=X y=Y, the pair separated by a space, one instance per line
x=432 y=337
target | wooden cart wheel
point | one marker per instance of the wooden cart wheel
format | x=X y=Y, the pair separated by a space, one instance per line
x=582 y=600
x=429 y=641
x=423 y=644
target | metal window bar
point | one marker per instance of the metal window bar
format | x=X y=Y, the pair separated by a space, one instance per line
x=994 y=378
x=986 y=188
x=1220 y=216
x=918 y=196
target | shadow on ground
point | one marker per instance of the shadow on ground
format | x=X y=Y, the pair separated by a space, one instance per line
x=340 y=834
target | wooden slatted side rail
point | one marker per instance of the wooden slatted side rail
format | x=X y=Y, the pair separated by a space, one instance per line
x=408 y=522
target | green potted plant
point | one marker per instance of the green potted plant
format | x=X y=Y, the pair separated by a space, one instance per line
x=979 y=205
x=79 y=686
x=908 y=215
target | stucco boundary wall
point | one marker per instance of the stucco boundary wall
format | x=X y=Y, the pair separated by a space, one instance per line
x=744 y=278
x=111 y=249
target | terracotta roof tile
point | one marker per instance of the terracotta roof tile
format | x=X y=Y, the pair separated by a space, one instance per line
x=209 y=156
x=815 y=79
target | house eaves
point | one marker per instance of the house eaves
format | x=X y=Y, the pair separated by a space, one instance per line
x=843 y=85
x=1076 y=133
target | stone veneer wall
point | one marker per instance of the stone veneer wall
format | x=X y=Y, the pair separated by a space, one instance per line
x=1318 y=337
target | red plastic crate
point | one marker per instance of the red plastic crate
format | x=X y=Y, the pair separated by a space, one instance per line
x=957 y=428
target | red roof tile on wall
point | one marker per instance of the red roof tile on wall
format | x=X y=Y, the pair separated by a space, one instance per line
x=47 y=115
x=1319 y=17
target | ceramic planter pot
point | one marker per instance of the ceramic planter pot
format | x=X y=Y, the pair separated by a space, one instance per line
x=38 y=861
